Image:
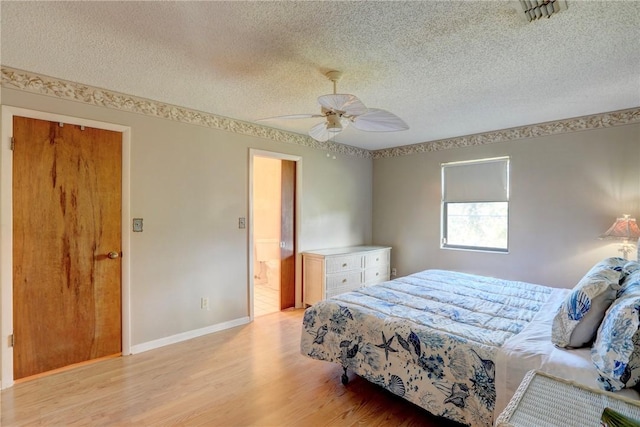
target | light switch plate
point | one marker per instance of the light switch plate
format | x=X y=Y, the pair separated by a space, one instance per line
x=137 y=224
x=242 y=223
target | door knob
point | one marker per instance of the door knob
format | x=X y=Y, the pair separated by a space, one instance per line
x=113 y=255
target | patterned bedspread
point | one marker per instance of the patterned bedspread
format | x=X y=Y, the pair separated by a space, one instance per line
x=431 y=337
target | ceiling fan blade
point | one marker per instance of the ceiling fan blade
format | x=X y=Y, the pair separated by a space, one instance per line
x=319 y=132
x=377 y=120
x=349 y=104
x=291 y=116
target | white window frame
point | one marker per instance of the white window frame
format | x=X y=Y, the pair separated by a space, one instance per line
x=496 y=194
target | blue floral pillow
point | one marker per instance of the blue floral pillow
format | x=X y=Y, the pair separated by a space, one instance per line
x=577 y=320
x=629 y=279
x=631 y=267
x=616 y=351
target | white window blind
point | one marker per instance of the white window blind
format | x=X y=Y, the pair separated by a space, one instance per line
x=484 y=180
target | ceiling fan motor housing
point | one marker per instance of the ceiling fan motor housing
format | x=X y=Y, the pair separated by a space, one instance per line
x=333 y=122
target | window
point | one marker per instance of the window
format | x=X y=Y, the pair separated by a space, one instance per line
x=475 y=204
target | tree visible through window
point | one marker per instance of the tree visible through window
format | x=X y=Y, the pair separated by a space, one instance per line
x=475 y=204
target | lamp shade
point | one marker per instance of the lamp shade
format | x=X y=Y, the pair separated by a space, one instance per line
x=623 y=228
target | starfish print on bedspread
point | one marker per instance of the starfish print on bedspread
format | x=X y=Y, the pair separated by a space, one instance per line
x=386 y=345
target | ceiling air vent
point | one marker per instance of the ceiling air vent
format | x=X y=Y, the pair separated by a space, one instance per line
x=536 y=9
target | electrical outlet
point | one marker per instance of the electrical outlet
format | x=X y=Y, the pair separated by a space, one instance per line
x=394 y=272
x=204 y=303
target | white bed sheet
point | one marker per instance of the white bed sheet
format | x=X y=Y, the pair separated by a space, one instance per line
x=532 y=349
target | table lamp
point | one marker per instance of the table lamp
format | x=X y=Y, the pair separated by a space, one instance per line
x=624 y=229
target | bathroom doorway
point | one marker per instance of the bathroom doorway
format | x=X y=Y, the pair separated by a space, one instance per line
x=273 y=200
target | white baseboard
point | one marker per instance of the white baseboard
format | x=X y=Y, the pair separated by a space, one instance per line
x=150 y=345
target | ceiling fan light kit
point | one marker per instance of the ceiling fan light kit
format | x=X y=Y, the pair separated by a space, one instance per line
x=340 y=109
x=333 y=123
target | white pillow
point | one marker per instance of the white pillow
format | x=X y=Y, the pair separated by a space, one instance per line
x=579 y=317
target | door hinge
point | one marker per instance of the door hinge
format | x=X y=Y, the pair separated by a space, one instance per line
x=13 y=143
x=12 y=340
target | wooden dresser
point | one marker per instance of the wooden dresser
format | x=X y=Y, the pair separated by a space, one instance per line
x=329 y=272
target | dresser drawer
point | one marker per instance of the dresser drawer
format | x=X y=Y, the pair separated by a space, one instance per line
x=376 y=275
x=343 y=263
x=380 y=258
x=339 y=283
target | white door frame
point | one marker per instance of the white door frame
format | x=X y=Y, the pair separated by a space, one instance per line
x=6 y=227
x=298 y=203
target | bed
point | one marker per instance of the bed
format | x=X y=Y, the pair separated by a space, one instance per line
x=455 y=344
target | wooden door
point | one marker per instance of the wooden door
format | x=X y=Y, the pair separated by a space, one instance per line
x=287 y=235
x=66 y=220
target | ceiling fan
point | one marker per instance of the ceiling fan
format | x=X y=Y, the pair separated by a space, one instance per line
x=339 y=110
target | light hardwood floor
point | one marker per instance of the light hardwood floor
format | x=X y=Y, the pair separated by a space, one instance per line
x=252 y=375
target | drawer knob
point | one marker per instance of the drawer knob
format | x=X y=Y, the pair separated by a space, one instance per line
x=344 y=265
x=344 y=280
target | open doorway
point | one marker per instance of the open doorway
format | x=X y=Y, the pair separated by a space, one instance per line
x=273 y=226
x=267 y=199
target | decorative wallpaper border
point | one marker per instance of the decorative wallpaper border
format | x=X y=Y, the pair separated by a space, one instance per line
x=595 y=121
x=31 y=82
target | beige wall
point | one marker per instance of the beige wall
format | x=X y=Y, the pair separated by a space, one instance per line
x=190 y=184
x=566 y=190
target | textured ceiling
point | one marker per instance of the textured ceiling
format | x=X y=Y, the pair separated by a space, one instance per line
x=448 y=68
